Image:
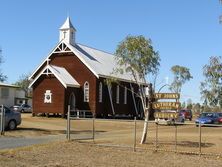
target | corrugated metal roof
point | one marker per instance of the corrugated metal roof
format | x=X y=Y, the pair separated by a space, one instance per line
x=8 y=85
x=102 y=63
x=63 y=75
x=60 y=73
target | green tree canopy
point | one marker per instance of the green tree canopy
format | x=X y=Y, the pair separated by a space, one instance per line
x=181 y=76
x=136 y=55
x=211 y=87
x=23 y=82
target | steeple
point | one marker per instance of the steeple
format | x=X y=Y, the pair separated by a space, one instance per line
x=67 y=32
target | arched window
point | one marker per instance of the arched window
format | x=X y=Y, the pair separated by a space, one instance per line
x=125 y=95
x=86 y=92
x=117 y=94
x=100 y=92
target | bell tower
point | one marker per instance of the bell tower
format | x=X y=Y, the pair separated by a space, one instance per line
x=67 y=32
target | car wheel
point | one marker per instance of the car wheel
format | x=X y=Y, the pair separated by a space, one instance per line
x=12 y=125
x=22 y=111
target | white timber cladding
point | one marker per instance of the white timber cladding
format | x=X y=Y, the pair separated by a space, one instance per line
x=125 y=95
x=100 y=92
x=86 y=92
x=117 y=94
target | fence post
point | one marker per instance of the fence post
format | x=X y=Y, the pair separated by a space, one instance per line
x=2 y=121
x=68 y=124
x=134 y=143
x=156 y=136
x=93 y=130
x=200 y=138
x=175 y=137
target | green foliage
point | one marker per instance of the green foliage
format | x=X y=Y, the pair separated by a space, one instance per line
x=23 y=83
x=135 y=55
x=211 y=87
x=181 y=75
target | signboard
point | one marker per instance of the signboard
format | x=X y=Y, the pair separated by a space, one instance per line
x=166 y=105
x=166 y=95
x=167 y=115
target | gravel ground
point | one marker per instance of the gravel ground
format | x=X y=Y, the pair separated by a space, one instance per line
x=63 y=154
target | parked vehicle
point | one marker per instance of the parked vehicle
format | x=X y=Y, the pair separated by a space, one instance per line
x=21 y=108
x=220 y=117
x=12 y=118
x=187 y=114
x=207 y=118
x=170 y=121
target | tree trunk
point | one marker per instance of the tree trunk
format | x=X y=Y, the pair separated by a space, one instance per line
x=147 y=114
x=145 y=127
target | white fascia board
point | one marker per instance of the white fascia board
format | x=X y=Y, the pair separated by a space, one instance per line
x=53 y=50
x=30 y=85
x=73 y=86
x=52 y=70
x=78 y=54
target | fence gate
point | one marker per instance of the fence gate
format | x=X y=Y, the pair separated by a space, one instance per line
x=2 y=120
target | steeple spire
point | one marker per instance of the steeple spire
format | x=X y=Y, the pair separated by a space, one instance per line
x=67 y=32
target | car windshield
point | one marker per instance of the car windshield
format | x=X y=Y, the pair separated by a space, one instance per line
x=220 y=114
x=211 y=115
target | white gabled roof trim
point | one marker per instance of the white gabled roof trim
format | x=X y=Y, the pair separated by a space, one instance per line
x=75 y=51
x=61 y=74
x=47 y=58
x=100 y=63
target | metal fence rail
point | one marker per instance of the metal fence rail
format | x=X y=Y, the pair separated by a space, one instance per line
x=2 y=120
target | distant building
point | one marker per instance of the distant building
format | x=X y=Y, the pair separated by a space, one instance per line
x=11 y=95
x=74 y=74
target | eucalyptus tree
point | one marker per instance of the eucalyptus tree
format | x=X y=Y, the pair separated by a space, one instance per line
x=136 y=55
x=23 y=82
x=181 y=76
x=211 y=87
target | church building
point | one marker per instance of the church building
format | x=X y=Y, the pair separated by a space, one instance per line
x=75 y=74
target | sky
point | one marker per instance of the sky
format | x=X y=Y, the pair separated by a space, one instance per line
x=184 y=32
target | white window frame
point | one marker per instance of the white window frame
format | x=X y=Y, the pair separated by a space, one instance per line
x=100 y=92
x=125 y=95
x=86 y=92
x=117 y=94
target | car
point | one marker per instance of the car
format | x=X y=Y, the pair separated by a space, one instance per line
x=187 y=114
x=21 y=108
x=220 y=118
x=207 y=118
x=12 y=118
x=170 y=121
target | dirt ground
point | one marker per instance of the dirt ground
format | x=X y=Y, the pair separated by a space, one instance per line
x=109 y=134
